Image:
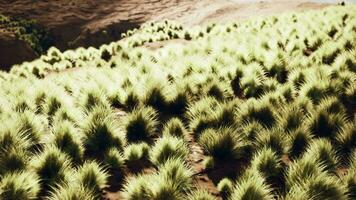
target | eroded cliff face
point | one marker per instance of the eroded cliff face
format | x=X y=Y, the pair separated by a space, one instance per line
x=84 y=23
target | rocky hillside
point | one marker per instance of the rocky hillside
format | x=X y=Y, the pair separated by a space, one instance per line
x=84 y=23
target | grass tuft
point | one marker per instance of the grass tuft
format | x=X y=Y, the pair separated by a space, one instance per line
x=223 y=143
x=101 y=131
x=168 y=147
x=141 y=124
x=20 y=185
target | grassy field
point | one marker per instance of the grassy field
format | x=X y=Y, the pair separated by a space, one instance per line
x=254 y=110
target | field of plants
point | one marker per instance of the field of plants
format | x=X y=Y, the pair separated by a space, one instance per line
x=260 y=109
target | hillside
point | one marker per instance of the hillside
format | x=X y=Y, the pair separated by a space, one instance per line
x=262 y=108
x=84 y=23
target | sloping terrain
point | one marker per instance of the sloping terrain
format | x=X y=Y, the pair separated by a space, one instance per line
x=87 y=23
x=258 y=109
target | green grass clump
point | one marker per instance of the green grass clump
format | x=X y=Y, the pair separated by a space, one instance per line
x=138 y=188
x=346 y=139
x=156 y=96
x=168 y=147
x=29 y=124
x=14 y=154
x=173 y=180
x=324 y=124
x=268 y=164
x=136 y=152
x=20 y=185
x=225 y=187
x=68 y=139
x=72 y=192
x=174 y=127
x=322 y=151
x=100 y=130
x=92 y=98
x=114 y=160
x=93 y=176
x=302 y=170
x=209 y=113
x=200 y=194
x=52 y=166
x=272 y=139
x=298 y=142
x=324 y=186
x=141 y=124
x=223 y=143
x=291 y=118
x=252 y=187
x=261 y=112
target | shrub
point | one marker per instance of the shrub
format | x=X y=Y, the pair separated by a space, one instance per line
x=174 y=127
x=141 y=124
x=92 y=175
x=21 y=185
x=101 y=131
x=168 y=147
x=67 y=138
x=252 y=187
x=52 y=166
x=223 y=143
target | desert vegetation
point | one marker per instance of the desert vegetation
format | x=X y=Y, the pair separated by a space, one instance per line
x=262 y=108
x=29 y=31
